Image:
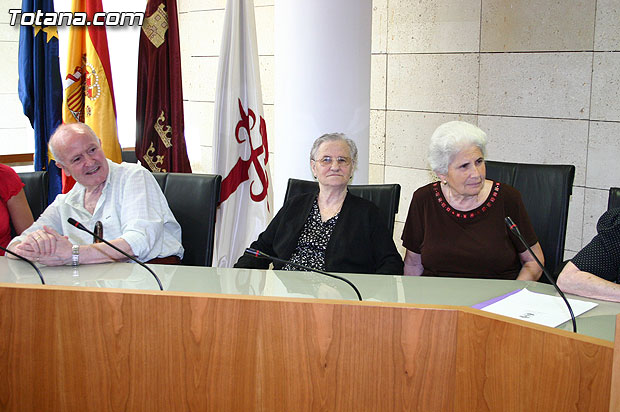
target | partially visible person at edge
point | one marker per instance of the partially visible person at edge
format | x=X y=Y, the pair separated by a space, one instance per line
x=331 y=229
x=14 y=209
x=594 y=272
x=455 y=227
x=125 y=198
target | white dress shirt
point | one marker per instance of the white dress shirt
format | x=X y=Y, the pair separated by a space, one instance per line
x=131 y=207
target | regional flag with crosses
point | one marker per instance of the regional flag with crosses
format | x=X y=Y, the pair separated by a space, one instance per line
x=88 y=91
x=240 y=141
x=160 y=130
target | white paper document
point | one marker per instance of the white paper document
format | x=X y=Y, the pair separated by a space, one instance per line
x=538 y=308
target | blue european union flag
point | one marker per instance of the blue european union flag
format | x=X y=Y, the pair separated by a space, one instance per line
x=40 y=87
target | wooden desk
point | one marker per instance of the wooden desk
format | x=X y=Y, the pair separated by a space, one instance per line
x=217 y=348
x=598 y=322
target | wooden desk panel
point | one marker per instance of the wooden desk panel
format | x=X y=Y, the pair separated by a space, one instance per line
x=351 y=357
x=80 y=349
x=111 y=351
x=504 y=365
x=614 y=401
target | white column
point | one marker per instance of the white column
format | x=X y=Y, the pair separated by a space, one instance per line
x=322 y=82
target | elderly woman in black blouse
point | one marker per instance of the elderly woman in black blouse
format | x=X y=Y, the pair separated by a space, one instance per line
x=330 y=230
x=595 y=271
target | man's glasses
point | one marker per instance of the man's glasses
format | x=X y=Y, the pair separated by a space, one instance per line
x=340 y=161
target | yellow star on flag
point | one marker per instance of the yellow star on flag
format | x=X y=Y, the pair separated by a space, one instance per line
x=50 y=31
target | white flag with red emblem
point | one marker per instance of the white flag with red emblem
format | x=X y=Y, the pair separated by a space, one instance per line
x=240 y=139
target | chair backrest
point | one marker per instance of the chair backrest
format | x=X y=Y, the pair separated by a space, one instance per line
x=385 y=196
x=129 y=156
x=193 y=199
x=36 y=189
x=546 y=191
x=614 y=198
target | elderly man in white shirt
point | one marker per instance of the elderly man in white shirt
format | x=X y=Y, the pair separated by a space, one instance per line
x=125 y=198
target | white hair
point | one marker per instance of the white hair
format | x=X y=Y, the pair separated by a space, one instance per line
x=69 y=128
x=449 y=139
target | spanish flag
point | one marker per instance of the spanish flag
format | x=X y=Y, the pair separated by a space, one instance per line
x=88 y=92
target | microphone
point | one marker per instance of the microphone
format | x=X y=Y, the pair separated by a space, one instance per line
x=258 y=253
x=80 y=226
x=26 y=260
x=515 y=230
x=98 y=231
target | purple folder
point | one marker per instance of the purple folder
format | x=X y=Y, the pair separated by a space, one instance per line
x=490 y=301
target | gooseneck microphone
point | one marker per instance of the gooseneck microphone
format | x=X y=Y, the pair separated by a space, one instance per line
x=80 y=226
x=515 y=230
x=258 y=253
x=26 y=260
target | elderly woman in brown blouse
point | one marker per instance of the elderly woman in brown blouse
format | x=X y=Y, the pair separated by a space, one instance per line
x=455 y=227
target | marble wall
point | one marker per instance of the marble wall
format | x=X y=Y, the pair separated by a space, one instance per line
x=541 y=77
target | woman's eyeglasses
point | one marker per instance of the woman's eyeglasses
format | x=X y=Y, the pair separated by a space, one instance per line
x=340 y=161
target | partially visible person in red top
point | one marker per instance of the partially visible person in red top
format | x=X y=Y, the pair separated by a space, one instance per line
x=455 y=227
x=14 y=209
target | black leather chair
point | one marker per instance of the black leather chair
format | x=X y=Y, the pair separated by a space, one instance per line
x=546 y=191
x=614 y=198
x=193 y=199
x=385 y=196
x=129 y=156
x=36 y=189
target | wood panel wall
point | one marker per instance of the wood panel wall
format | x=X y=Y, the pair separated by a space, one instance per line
x=65 y=349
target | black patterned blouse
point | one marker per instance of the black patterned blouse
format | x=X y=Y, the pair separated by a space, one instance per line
x=602 y=255
x=313 y=240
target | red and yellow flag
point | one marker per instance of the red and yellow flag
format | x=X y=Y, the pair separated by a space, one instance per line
x=88 y=91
